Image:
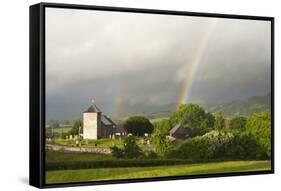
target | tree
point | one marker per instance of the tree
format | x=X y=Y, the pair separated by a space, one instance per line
x=130 y=149
x=75 y=129
x=219 y=122
x=244 y=147
x=177 y=116
x=238 y=123
x=194 y=118
x=158 y=137
x=138 y=125
x=210 y=120
x=259 y=126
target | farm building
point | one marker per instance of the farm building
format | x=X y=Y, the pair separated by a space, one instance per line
x=178 y=132
x=96 y=125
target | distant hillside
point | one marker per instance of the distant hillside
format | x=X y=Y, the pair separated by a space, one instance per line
x=243 y=107
x=149 y=111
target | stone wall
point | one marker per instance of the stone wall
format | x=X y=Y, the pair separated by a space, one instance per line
x=78 y=149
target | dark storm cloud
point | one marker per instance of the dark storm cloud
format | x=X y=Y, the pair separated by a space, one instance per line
x=139 y=59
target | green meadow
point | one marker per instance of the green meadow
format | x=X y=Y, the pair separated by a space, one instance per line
x=85 y=175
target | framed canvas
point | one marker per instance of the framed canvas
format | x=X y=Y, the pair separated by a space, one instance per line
x=123 y=95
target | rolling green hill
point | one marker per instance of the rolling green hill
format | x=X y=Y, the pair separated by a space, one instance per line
x=149 y=111
x=243 y=107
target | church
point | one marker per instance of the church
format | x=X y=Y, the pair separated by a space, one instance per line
x=96 y=125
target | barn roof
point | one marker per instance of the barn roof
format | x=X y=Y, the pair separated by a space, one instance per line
x=175 y=128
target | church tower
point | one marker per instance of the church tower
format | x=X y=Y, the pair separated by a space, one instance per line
x=92 y=122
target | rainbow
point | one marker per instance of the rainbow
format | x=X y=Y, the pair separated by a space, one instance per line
x=192 y=70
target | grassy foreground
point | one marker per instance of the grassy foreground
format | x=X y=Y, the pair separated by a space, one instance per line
x=64 y=176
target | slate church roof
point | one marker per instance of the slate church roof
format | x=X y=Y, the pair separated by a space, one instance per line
x=93 y=109
x=106 y=120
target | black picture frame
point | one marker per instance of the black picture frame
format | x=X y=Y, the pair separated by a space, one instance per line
x=37 y=92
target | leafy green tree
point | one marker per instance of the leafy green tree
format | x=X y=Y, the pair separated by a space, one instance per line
x=75 y=129
x=64 y=134
x=194 y=118
x=259 y=126
x=158 y=137
x=138 y=125
x=244 y=147
x=130 y=149
x=238 y=123
x=219 y=122
x=177 y=116
x=210 y=120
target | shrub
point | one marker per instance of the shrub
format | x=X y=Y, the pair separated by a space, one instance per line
x=238 y=123
x=117 y=152
x=259 y=126
x=75 y=129
x=158 y=137
x=63 y=135
x=244 y=147
x=130 y=150
x=220 y=145
x=62 y=165
x=151 y=155
x=203 y=147
x=219 y=121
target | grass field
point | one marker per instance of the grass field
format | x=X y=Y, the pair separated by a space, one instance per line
x=85 y=175
x=158 y=119
x=62 y=129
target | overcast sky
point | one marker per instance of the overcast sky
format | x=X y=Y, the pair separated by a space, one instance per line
x=121 y=59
